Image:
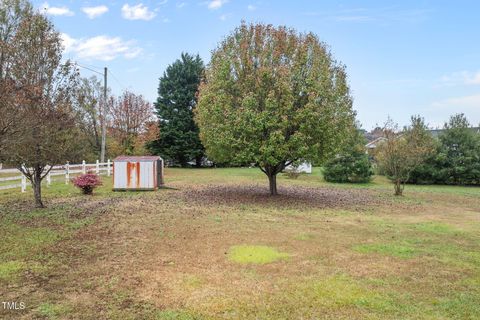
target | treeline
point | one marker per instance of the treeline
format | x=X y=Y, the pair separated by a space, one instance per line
x=129 y=121
x=412 y=155
x=455 y=158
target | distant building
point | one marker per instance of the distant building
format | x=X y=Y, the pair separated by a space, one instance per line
x=372 y=145
x=304 y=167
x=438 y=132
x=375 y=137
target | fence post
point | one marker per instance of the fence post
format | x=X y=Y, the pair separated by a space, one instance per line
x=108 y=167
x=97 y=167
x=84 y=167
x=67 y=173
x=24 y=183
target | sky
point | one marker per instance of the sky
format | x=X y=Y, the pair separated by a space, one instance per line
x=402 y=57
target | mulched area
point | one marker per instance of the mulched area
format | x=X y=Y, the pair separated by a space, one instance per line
x=289 y=196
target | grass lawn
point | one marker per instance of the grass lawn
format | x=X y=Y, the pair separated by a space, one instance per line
x=214 y=245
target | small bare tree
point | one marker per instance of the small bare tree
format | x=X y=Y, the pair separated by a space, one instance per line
x=403 y=151
x=130 y=115
x=89 y=109
x=42 y=99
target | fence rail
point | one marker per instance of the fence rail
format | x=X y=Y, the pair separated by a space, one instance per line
x=58 y=170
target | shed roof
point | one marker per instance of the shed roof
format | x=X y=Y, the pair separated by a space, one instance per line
x=137 y=158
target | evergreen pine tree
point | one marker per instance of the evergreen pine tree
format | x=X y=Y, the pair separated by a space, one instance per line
x=179 y=141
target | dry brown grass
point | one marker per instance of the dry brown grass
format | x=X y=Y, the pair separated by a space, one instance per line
x=163 y=255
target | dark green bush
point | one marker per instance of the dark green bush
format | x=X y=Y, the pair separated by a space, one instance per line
x=353 y=167
x=351 y=164
x=456 y=159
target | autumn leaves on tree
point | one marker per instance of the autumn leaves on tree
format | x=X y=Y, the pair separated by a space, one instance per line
x=38 y=88
x=272 y=97
x=49 y=115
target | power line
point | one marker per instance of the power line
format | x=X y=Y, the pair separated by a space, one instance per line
x=84 y=67
x=118 y=81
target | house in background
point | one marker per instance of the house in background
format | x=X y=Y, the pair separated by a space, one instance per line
x=372 y=145
x=304 y=167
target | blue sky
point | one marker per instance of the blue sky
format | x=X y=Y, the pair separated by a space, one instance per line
x=402 y=57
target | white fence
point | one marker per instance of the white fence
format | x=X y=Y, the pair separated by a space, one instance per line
x=60 y=170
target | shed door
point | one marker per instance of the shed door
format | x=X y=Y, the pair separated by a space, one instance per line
x=146 y=175
x=119 y=175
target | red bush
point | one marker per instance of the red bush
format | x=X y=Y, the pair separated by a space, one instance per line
x=87 y=182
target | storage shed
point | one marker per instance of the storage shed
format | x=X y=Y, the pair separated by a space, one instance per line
x=137 y=173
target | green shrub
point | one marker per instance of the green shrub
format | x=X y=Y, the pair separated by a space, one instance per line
x=354 y=167
x=351 y=164
x=456 y=159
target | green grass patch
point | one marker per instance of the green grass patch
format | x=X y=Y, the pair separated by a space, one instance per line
x=191 y=281
x=461 y=305
x=20 y=242
x=9 y=270
x=53 y=311
x=304 y=236
x=175 y=315
x=246 y=254
x=403 y=251
x=436 y=228
x=315 y=298
x=340 y=291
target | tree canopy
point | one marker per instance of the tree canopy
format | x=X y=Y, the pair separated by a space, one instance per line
x=404 y=151
x=179 y=141
x=456 y=159
x=42 y=96
x=272 y=96
x=351 y=164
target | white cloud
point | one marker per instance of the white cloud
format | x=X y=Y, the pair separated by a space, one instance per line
x=137 y=12
x=472 y=101
x=57 y=11
x=216 y=4
x=474 y=78
x=224 y=17
x=102 y=47
x=251 y=7
x=460 y=78
x=94 y=12
x=181 y=5
x=68 y=42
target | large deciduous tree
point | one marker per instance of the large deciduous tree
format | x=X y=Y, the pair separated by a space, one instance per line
x=179 y=141
x=42 y=96
x=272 y=96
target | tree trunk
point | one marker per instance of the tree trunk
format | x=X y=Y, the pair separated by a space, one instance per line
x=272 y=180
x=398 y=188
x=37 y=188
x=198 y=161
x=271 y=171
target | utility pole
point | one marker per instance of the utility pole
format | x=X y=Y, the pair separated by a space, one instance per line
x=104 y=116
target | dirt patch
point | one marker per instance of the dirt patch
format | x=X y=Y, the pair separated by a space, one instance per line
x=289 y=196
